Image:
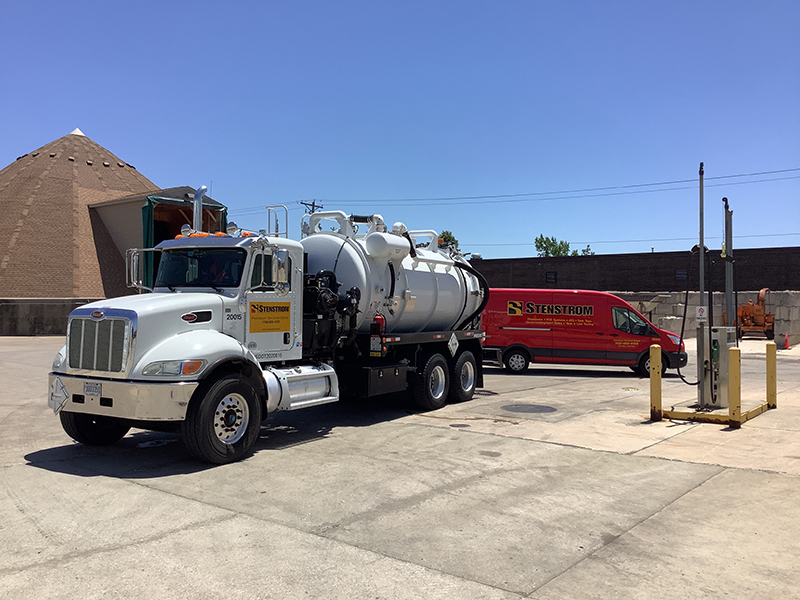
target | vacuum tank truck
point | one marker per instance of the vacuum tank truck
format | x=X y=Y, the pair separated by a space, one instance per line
x=238 y=325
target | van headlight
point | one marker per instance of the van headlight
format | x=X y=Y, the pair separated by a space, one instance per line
x=674 y=339
x=173 y=367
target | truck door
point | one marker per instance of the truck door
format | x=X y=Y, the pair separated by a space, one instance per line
x=270 y=312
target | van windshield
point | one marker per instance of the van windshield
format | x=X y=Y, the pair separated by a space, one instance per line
x=193 y=267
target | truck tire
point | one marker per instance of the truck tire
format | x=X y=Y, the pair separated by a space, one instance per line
x=93 y=430
x=770 y=333
x=516 y=361
x=223 y=420
x=644 y=365
x=430 y=386
x=463 y=377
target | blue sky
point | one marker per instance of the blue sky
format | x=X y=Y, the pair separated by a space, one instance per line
x=502 y=108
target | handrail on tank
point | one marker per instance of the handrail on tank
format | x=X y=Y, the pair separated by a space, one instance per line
x=272 y=212
x=433 y=245
x=345 y=226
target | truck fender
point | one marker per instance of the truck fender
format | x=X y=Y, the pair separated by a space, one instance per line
x=209 y=345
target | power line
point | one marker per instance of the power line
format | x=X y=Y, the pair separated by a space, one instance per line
x=568 y=194
x=681 y=239
x=596 y=189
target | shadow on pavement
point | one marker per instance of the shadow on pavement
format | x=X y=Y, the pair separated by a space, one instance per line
x=149 y=454
x=576 y=371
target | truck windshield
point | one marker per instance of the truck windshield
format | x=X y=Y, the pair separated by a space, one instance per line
x=200 y=267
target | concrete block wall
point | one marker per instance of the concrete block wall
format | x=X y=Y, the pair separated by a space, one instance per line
x=37 y=316
x=668 y=313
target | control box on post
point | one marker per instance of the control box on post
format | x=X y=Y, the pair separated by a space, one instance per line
x=715 y=381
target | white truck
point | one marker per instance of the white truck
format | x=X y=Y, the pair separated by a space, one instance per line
x=238 y=325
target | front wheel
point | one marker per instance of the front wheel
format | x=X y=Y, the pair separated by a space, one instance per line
x=463 y=377
x=644 y=365
x=430 y=386
x=93 y=430
x=223 y=420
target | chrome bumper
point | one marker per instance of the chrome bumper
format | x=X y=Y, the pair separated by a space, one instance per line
x=122 y=399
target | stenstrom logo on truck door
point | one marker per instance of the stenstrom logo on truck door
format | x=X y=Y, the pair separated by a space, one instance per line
x=519 y=307
x=270 y=317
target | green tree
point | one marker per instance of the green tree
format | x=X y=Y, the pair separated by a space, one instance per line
x=449 y=238
x=550 y=246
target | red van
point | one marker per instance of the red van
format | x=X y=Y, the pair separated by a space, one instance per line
x=572 y=327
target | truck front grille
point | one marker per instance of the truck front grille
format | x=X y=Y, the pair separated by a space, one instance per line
x=98 y=345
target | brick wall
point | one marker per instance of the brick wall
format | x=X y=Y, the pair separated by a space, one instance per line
x=775 y=268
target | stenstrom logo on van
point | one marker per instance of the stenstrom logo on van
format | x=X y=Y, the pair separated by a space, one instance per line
x=518 y=307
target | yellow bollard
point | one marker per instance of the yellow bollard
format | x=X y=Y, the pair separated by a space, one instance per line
x=655 y=383
x=772 y=375
x=734 y=388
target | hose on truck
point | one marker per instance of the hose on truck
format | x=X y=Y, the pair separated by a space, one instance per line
x=484 y=287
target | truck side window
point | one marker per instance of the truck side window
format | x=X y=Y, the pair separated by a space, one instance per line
x=255 y=279
x=628 y=321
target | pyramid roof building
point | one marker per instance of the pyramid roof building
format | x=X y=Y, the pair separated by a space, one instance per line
x=51 y=244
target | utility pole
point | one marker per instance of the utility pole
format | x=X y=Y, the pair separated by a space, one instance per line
x=701 y=329
x=312 y=206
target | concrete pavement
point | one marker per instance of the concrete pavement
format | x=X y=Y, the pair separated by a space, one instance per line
x=550 y=484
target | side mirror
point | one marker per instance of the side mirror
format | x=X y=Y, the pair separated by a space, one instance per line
x=280 y=262
x=133 y=270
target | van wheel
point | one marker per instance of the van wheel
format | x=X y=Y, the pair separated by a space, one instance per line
x=463 y=378
x=93 y=430
x=516 y=361
x=223 y=420
x=430 y=386
x=644 y=365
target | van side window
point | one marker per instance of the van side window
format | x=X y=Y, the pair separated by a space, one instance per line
x=628 y=321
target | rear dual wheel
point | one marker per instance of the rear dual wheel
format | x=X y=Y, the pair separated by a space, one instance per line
x=430 y=385
x=463 y=377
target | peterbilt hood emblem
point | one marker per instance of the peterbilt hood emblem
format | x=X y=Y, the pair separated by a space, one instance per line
x=189 y=317
x=98 y=314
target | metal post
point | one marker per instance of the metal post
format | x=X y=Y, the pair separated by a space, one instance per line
x=772 y=375
x=735 y=388
x=730 y=306
x=701 y=371
x=655 y=383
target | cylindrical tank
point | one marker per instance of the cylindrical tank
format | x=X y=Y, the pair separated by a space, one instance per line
x=422 y=293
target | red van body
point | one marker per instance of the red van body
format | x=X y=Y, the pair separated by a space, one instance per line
x=572 y=327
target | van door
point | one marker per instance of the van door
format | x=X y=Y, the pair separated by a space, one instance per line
x=630 y=336
x=517 y=319
x=578 y=334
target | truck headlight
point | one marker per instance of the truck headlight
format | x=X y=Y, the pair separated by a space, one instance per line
x=173 y=367
x=674 y=339
x=58 y=361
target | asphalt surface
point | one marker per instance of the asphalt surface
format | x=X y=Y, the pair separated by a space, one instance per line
x=550 y=484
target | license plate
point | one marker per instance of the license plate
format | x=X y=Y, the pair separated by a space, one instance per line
x=91 y=388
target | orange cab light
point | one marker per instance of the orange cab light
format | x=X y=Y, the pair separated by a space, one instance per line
x=191 y=366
